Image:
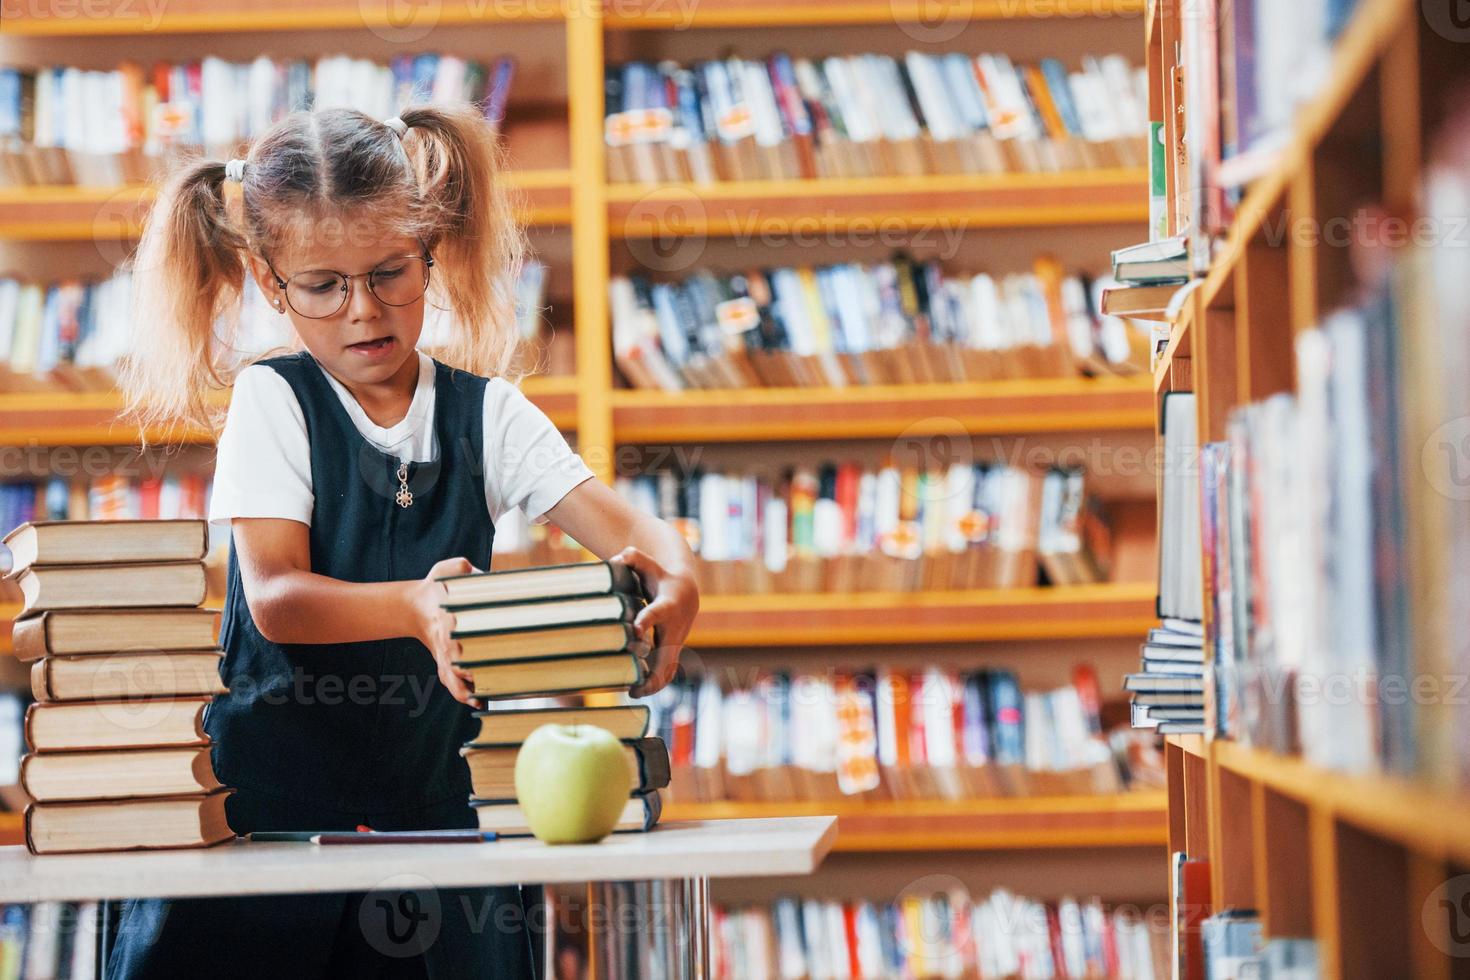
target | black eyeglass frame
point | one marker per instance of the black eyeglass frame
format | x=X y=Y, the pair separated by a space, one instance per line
x=346 y=290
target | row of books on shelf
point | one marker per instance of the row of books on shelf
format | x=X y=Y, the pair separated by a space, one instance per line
x=892 y=733
x=870 y=114
x=894 y=322
x=51 y=940
x=941 y=934
x=69 y=335
x=73 y=125
x=1329 y=522
x=119 y=758
x=845 y=527
x=1248 y=65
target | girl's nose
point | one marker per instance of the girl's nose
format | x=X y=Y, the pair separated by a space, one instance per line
x=361 y=303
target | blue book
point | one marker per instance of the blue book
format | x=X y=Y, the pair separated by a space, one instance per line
x=1061 y=94
x=1007 y=719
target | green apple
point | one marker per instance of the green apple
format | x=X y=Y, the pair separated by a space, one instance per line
x=572 y=782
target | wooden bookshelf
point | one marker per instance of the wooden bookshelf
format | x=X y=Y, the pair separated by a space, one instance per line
x=101 y=213
x=1117 y=609
x=71 y=418
x=654 y=14
x=568 y=192
x=777 y=207
x=1135 y=819
x=1011 y=406
x=1298 y=844
x=863 y=618
x=1359 y=862
x=60 y=18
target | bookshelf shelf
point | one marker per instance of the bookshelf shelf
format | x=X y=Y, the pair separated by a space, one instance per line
x=653 y=14
x=1413 y=816
x=783 y=207
x=1070 y=612
x=116 y=213
x=89 y=418
x=1121 y=820
x=1009 y=406
x=1066 y=612
x=59 y=18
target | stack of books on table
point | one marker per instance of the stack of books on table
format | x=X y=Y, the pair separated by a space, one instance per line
x=559 y=630
x=123 y=665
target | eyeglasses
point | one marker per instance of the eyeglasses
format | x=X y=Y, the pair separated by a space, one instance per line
x=319 y=293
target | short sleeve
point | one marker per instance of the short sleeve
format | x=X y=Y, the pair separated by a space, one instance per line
x=528 y=463
x=263 y=466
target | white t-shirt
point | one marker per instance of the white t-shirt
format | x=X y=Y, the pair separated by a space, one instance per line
x=263 y=468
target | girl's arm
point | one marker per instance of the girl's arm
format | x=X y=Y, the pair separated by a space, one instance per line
x=611 y=528
x=292 y=604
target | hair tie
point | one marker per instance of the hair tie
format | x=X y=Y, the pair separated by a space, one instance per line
x=397 y=125
x=235 y=170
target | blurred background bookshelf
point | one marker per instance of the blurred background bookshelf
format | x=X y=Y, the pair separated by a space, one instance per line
x=1295 y=801
x=1029 y=209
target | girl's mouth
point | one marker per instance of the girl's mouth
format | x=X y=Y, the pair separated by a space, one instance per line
x=373 y=348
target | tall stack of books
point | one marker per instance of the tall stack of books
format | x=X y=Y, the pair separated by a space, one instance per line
x=558 y=630
x=123 y=664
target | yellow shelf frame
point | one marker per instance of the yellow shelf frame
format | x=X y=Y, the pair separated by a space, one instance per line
x=1132 y=819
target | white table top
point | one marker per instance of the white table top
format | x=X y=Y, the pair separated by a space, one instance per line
x=764 y=847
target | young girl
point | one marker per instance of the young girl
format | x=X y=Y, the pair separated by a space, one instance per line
x=353 y=474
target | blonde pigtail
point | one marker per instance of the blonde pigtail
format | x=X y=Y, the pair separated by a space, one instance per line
x=477 y=244
x=188 y=272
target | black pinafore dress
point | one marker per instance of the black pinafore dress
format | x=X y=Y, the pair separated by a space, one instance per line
x=330 y=736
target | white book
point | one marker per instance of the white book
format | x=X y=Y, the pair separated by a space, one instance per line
x=1078 y=314
x=707 y=747
x=988 y=329
x=744 y=720
x=964 y=92
x=861 y=127
x=814 y=928
x=937 y=697
x=900 y=123
x=713 y=517
x=774 y=542
x=9 y=301
x=762 y=100
x=836 y=933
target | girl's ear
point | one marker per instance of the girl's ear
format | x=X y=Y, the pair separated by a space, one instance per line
x=260 y=271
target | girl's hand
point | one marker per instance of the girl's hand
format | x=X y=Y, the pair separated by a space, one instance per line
x=433 y=625
x=664 y=623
